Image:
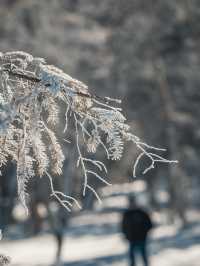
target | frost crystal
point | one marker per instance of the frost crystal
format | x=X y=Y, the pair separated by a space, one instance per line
x=30 y=91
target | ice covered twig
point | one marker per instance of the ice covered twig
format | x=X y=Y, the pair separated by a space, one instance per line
x=65 y=200
x=30 y=93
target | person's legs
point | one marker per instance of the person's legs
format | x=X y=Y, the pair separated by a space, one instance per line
x=143 y=251
x=59 y=239
x=131 y=254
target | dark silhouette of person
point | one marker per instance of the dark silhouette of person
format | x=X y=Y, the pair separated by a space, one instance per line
x=58 y=221
x=136 y=224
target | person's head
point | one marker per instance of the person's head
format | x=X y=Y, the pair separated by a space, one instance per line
x=132 y=201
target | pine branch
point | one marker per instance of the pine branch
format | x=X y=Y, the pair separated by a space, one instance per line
x=30 y=93
x=14 y=73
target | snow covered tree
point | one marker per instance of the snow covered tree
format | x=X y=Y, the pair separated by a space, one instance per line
x=30 y=95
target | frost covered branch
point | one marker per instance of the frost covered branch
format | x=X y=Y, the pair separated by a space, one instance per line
x=30 y=93
x=83 y=161
x=65 y=200
x=4 y=260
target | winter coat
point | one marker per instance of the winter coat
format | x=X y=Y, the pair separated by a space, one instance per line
x=136 y=224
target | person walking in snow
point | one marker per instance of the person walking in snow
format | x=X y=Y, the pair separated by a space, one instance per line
x=136 y=224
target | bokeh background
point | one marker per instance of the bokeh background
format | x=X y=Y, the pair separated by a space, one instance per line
x=147 y=54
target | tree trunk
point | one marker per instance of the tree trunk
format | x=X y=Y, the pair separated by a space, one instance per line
x=177 y=195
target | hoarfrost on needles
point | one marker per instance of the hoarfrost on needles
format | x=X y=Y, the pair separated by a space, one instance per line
x=30 y=92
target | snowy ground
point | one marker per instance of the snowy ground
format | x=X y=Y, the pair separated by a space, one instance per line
x=94 y=239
